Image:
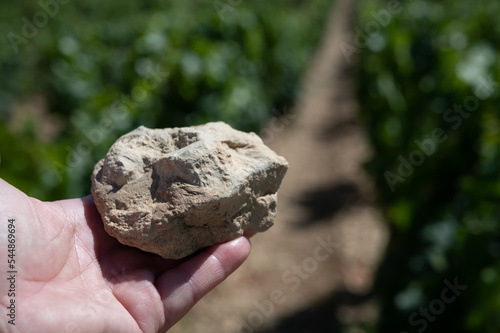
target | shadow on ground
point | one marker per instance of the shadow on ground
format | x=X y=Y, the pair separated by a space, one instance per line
x=324 y=203
x=319 y=318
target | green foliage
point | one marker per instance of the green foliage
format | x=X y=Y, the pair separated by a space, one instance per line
x=434 y=67
x=94 y=70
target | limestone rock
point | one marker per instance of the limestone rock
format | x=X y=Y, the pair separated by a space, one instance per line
x=176 y=190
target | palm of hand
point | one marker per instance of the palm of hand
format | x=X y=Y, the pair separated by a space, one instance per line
x=73 y=277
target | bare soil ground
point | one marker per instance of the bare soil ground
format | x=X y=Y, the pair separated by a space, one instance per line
x=290 y=283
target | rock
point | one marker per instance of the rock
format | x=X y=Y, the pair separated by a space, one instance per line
x=174 y=191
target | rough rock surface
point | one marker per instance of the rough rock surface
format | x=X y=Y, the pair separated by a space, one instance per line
x=176 y=190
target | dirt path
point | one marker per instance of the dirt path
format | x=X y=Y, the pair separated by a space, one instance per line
x=312 y=272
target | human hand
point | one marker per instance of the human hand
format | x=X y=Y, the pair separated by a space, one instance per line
x=73 y=277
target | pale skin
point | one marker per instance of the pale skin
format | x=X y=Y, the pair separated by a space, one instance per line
x=73 y=277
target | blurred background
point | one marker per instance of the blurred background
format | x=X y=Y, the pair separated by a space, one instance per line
x=385 y=110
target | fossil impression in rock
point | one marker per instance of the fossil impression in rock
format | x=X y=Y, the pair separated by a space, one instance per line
x=174 y=191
